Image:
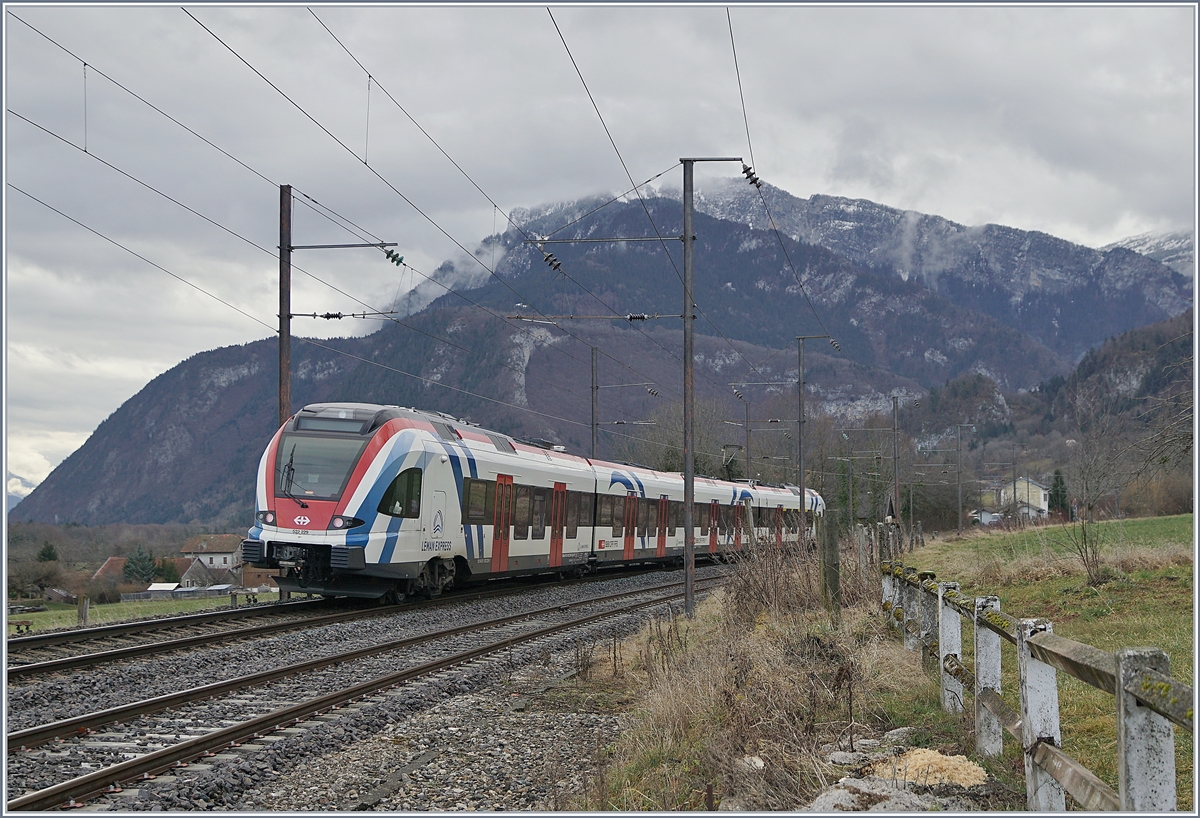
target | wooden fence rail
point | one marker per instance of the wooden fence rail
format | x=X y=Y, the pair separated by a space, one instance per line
x=1148 y=702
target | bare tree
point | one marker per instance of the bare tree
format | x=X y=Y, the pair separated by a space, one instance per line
x=1099 y=461
x=1169 y=444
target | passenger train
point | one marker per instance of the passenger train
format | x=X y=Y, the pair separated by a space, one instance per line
x=372 y=501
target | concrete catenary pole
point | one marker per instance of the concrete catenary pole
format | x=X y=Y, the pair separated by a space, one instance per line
x=896 y=455
x=958 y=468
x=285 y=303
x=595 y=401
x=689 y=349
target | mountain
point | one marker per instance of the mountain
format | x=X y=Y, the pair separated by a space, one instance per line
x=1065 y=296
x=1173 y=249
x=185 y=448
x=760 y=288
x=18 y=489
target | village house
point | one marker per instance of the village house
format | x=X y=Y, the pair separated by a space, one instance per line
x=1032 y=498
x=216 y=551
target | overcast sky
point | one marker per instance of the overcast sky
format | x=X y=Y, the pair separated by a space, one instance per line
x=1077 y=121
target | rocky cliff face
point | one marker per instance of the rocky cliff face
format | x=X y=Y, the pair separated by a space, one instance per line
x=1174 y=249
x=1066 y=296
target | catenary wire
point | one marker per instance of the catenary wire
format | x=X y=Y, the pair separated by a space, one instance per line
x=309 y=341
x=324 y=211
x=645 y=206
x=492 y=201
x=770 y=217
x=355 y=229
x=268 y=251
x=379 y=176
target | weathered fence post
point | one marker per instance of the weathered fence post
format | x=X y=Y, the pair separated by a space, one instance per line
x=881 y=541
x=910 y=599
x=831 y=590
x=920 y=534
x=83 y=609
x=1145 y=740
x=860 y=542
x=989 y=735
x=885 y=581
x=1039 y=718
x=232 y=599
x=949 y=644
x=927 y=617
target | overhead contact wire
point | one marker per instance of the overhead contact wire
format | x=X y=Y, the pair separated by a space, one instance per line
x=269 y=252
x=645 y=207
x=497 y=207
x=374 y=172
x=309 y=341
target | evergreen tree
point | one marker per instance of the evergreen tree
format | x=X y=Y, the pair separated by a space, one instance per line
x=47 y=554
x=140 y=566
x=167 y=572
x=1058 y=493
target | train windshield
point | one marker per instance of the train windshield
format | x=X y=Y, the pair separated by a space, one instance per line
x=316 y=467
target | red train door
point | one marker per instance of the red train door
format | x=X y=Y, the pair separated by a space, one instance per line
x=661 y=551
x=501 y=521
x=779 y=526
x=631 y=515
x=558 y=521
x=714 y=519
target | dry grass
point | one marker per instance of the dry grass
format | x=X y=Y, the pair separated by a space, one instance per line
x=744 y=696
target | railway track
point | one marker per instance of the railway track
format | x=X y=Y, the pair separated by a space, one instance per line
x=121 y=744
x=68 y=650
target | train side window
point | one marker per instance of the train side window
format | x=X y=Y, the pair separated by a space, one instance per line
x=587 y=505
x=522 y=502
x=573 y=499
x=541 y=501
x=618 y=516
x=674 y=516
x=700 y=517
x=604 y=516
x=643 y=516
x=403 y=496
x=478 y=497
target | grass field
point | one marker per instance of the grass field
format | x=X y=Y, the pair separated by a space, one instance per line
x=1148 y=602
x=61 y=615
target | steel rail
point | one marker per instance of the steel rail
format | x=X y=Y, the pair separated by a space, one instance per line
x=89 y=659
x=150 y=648
x=125 y=628
x=21 y=740
x=98 y=782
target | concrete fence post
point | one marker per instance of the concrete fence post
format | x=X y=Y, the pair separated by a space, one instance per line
x=83 y=609
x=949 y=644
x=1145 y=740
x=1039 y=718
x=232 y=599
x=989 y=734
x=886 y=590
x=920 y=534
x=860 y=543
x=881 y=541
x=927 y=616
x=911 y=602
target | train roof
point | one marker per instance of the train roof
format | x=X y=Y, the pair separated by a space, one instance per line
x=372 y=415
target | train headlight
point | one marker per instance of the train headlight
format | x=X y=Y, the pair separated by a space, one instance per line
x=338 y=523
x=266 y=517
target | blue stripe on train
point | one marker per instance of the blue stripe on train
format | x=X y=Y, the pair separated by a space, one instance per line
x=456 y=466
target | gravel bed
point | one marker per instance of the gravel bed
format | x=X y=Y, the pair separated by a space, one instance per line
x=465 y=739
x=61 y=696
